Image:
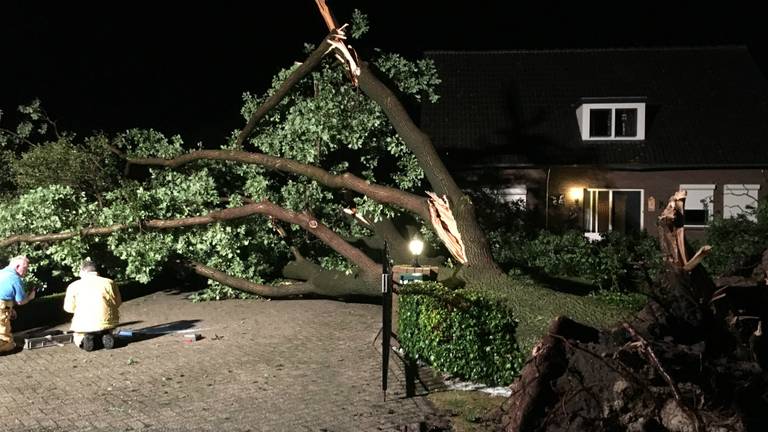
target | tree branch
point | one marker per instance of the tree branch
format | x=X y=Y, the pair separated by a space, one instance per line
x=382 y=194
x=16 y=136
x=478 y=252
x=692 y=414
x=698 y=258
x=417 y=141
x=310 y=224
x=271 y=291
x=309 y=64
x=284 y=235
x=320 y=282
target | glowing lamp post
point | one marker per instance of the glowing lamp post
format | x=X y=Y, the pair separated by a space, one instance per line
x=416 y=246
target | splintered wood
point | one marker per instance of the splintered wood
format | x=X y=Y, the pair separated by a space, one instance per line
x=445 y=226
x=671 y=229
x=343 y=52
x=672 y=233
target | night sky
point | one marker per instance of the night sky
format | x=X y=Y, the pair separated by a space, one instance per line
x=181 y=67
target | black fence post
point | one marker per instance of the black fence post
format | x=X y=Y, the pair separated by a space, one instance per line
x=386 y=317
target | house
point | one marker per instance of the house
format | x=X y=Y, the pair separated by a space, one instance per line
x=601 y=138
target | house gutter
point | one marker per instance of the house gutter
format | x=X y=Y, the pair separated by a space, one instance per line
x=615 y=167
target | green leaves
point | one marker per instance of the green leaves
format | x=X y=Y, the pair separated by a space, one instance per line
x=86 y=167
x=64 y=183
x=360 y=24
x=45 y=210
x=149 y=143
x=465 y=333
x=144 y=253
x=615 y=263
x=418 y=79
x=737 y=243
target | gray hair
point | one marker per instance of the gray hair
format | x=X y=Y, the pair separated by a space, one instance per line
x=18 y=260
x=88 y=266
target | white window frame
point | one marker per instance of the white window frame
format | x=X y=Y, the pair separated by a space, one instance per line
x=750 y=190
x=689 y=203
x=514 y=193
x=583 y=113
x=510 y=193
x=590 y=232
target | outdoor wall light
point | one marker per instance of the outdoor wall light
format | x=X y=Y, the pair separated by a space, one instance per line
x=416 y=247
x=576 y=194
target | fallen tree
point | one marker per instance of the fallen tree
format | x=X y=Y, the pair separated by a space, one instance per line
x=290 y=164
x=298 y=202
x=314 y=125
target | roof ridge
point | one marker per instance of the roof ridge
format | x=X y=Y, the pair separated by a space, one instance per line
x=600 y=49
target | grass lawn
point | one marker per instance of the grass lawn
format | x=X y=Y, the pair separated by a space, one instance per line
x=534 y=305
x=467 y=408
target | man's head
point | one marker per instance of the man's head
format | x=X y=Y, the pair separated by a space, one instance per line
x=20 y=264
x=88 y=266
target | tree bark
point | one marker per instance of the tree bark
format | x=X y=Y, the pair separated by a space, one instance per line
x=382 y=194
x=309 y=64
x=532 y=392
x=335 y=283
x=333 y=240
x=479 y=259
x=324 y=283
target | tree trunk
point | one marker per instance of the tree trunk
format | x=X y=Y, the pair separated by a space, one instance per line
x=312 y=280
x=478 y=251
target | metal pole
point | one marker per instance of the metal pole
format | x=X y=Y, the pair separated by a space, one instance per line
x=386 y=317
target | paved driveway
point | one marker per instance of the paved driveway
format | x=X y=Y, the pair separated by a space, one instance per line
x=302 y=365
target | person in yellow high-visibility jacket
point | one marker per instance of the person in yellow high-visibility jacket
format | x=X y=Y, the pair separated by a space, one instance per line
x=94 y=301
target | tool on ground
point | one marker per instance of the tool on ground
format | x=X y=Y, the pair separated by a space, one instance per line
x=48 y=340
x=191 y=337
x=125 y=333
x=188 y=334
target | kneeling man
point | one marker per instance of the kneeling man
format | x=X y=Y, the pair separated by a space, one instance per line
x=94 y=301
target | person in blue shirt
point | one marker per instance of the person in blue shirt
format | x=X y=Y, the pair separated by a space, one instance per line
x=12 y=293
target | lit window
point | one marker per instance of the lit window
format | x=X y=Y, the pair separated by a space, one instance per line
x=698 y=203
x=611 y=120
x=740 y=199
x=619 y=210
x=515 y=193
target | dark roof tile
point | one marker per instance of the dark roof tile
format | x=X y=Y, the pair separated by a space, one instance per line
x=706 y=107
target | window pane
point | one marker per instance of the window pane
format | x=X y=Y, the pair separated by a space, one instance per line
x=600 y=123
x=740 y=199
x=512 y=194
x=626 y=211
x=603 y=211
x=696 y=217
x=626 y=122
x=698 y=199
x=588 y=211
x=699 y=203
x=623 y=211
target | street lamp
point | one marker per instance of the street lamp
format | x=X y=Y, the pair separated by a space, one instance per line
x=416 y=246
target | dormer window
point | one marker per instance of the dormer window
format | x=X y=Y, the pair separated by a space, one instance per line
x=611 y=120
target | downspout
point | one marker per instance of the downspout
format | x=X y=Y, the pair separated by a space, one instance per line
x=546 y=202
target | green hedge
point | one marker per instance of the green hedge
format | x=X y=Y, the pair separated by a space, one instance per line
x=737 y=243
x=615 y=263
x=465 y=333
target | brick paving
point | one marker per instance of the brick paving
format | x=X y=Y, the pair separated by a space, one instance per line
x=301 y=365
